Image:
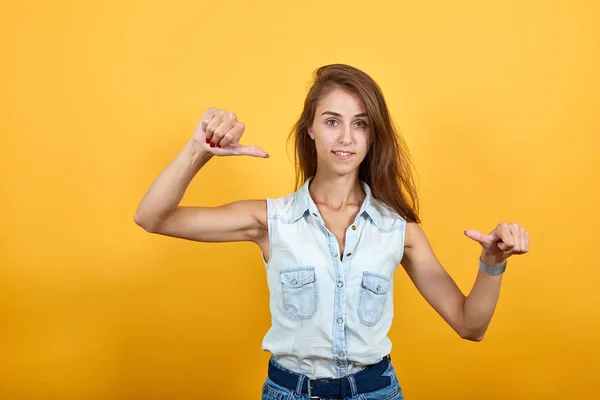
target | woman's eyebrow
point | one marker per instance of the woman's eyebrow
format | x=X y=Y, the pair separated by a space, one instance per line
x=339 y=115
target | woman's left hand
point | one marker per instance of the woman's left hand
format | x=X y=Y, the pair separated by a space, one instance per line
x=501 y=243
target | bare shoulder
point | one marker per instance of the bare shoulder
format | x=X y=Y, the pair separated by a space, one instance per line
x=257 y=209
x=414 y=235
x=417 y=248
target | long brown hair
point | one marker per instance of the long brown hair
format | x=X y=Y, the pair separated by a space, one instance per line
x=387 y=168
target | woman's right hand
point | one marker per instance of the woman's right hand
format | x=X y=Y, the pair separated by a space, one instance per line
x=219 y=133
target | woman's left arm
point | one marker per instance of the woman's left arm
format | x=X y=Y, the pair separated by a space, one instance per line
x=468 y=315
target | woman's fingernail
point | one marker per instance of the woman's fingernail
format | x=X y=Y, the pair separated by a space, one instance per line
x=212 y=144
x=207 y=140
x=219 y=145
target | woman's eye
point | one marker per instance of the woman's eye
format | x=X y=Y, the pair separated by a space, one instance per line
x=361 y=124
x=331 y=120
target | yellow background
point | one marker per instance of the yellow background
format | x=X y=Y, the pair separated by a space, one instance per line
x=498 y=102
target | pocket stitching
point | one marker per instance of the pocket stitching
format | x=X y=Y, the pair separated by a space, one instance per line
x=271 y=391
x=390 y=395
x=301 y=282
x=307 y=281
x=384 y=281
x=362 y=295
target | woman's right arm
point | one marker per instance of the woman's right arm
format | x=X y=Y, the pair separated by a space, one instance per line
x=218 y=133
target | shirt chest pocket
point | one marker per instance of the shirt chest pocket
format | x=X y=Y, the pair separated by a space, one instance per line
x=299 y=292
x=373 y=295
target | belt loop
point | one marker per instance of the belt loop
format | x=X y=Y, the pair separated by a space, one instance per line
x=353 y=390
x=298 y=391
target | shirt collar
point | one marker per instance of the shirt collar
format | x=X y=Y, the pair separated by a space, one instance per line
x=303 y=203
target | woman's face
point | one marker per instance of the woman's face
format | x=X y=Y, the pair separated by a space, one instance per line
x=342 y=132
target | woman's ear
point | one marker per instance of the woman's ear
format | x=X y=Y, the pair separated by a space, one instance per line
x=310 y=133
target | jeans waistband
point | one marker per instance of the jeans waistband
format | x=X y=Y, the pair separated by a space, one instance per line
x=369 y=379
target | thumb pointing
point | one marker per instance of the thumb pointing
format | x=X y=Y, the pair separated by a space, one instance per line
x=253 y=151
x=476 y=236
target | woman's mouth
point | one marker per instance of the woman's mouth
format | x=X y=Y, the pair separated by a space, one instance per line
x=343 y=154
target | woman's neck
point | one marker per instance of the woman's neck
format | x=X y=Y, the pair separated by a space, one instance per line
x=337 y=191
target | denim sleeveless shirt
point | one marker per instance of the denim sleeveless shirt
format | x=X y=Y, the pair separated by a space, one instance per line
x=330 y=315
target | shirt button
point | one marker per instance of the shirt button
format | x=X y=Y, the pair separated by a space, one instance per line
x=342 y=354
x=340 y=284
x=295 y=282
x=335 y=254
x=348 y=255
x=315 y=215
x=378 y=288
x=340 y=320
x=353 y=227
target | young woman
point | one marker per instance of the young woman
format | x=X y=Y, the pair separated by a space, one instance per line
x=331 y=247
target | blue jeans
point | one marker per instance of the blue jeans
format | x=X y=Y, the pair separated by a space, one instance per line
x=272 y=391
